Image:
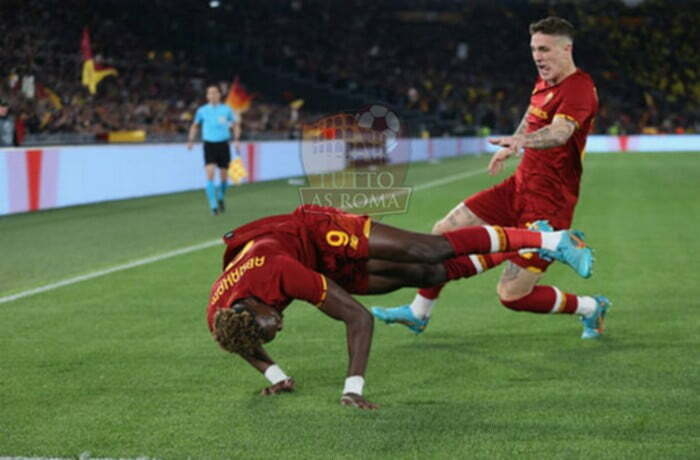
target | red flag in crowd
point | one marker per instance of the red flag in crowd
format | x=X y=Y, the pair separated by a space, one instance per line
x=238 y=98
x=93 y=73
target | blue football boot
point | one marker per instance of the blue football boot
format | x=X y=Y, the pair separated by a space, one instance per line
x=594 y=325
x=400 y=315
x=574 y=252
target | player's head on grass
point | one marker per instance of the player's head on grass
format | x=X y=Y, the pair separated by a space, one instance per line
x=246 y=325
x=551 y=43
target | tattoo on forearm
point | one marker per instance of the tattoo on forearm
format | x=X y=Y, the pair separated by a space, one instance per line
x=549 y=136
x=522 y=126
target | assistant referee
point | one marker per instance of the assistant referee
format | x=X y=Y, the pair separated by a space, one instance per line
x=217 y=120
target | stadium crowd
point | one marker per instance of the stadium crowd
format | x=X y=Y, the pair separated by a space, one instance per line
x=455 y=66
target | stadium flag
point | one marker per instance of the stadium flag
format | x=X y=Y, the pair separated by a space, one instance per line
x=43 y=92
x=93 y=73
x=236 y=170
x=238 y=98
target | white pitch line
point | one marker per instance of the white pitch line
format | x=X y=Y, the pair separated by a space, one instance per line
x=188 y=249
x=107 y=271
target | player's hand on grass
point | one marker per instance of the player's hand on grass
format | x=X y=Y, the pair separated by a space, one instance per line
x=498 y=160
x=285 y=386
x=355 y=400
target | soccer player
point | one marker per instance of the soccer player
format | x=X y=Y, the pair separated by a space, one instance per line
x=544 y=189
x=322 y=255
x=217 y=120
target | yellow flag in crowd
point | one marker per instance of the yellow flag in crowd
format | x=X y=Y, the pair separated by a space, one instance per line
x=93 y=73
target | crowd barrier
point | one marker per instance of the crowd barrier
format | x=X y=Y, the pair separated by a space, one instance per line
x=51 y=177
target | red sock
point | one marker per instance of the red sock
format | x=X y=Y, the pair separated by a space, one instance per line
x=491 y=238
x=544 y=299
x=466 y=266
x=431 y=293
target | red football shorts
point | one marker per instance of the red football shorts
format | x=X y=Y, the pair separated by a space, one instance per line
x=503 y=205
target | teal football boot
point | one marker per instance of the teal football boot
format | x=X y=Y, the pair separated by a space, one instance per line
x=574 y=252
x=400 y=315
x=594 y=325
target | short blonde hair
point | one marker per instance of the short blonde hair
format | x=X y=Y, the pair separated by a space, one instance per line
x=236 y=331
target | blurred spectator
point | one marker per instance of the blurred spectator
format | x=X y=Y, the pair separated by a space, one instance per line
x=456 y=67
x=7 y=126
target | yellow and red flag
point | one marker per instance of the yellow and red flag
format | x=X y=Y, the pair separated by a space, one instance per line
x=43 y=92
x=93 y=73
x=238 y=98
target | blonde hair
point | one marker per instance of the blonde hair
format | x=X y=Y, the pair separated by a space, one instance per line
x=237 y=331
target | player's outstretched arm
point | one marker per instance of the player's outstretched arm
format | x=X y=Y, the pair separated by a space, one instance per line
x=359 y=326
x=553 y=135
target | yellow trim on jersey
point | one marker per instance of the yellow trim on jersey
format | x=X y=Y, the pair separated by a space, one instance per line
x=368 y=227
x=238 y=257
x=325 y=290
x=568 y=117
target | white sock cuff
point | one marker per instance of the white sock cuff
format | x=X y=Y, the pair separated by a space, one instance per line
x=421 y=306
x=476 y=260
x=354 y=384
x=275 y=374
x=559 y=302
x=550 y=240
x=493 y=236
x=586 y=305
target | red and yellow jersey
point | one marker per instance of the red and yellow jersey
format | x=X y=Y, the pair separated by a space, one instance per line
x=555 y=173
x=265 y=269
x=285 y=257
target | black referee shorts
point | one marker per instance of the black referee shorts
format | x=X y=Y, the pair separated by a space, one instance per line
x=217 y=152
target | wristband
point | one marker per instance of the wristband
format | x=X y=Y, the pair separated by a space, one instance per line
x=354 y=384
x=274 y=374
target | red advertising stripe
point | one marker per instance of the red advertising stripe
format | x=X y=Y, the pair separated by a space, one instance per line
x=33 y=178
x=624 y=142
x=250 y=150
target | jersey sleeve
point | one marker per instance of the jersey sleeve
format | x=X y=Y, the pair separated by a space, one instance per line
x=579 y=102
x=198 y=116
x=300 y=282
x=232 y=115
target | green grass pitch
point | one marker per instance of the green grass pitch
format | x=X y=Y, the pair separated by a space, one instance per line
x=123 y=366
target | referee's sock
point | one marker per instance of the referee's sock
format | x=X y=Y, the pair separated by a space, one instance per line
x=211 y=195
x=222 y=190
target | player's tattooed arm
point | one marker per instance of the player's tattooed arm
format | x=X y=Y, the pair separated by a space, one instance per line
x=553 y=135
x=522 y=126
